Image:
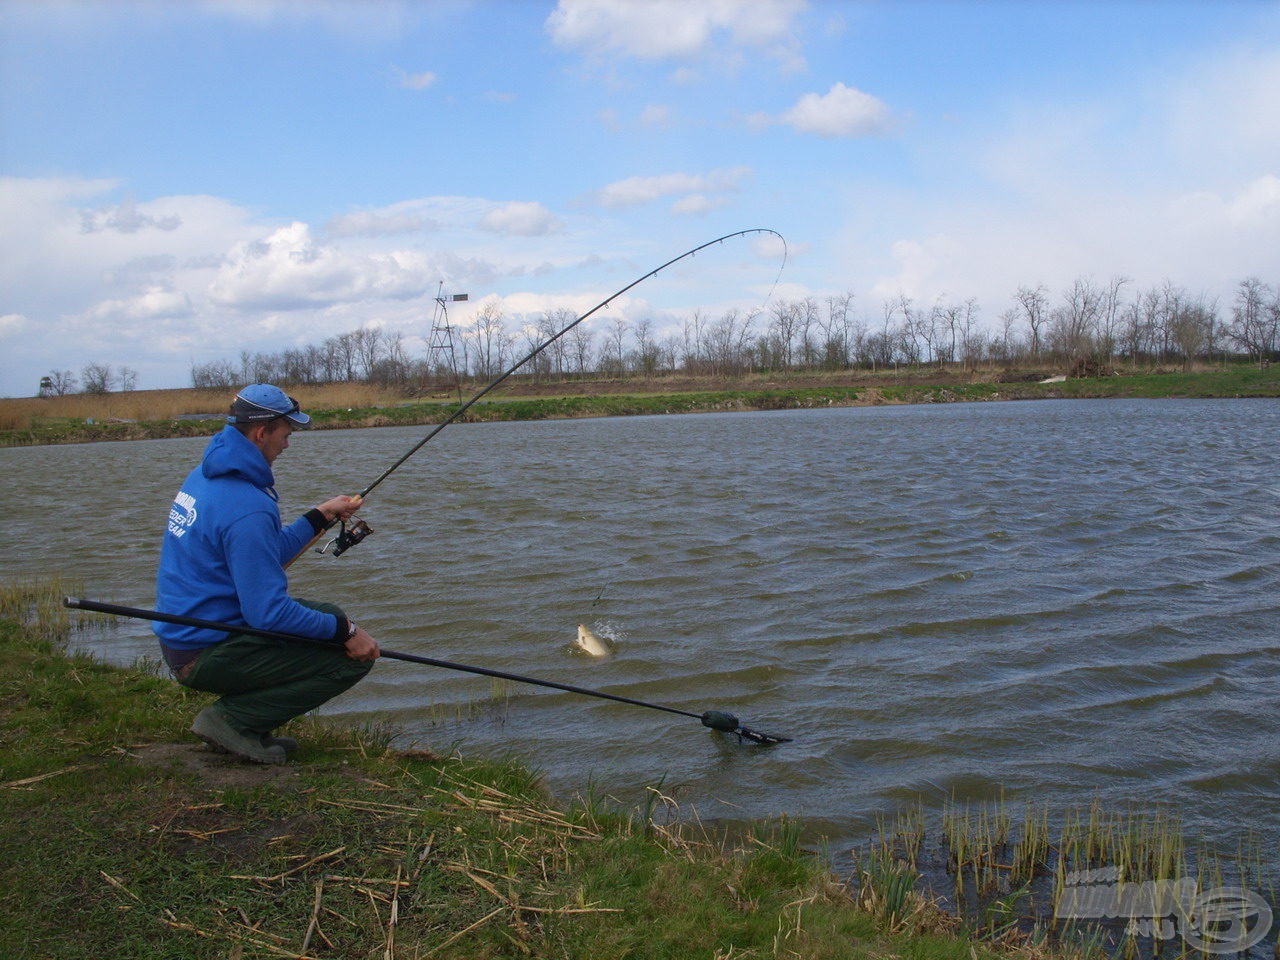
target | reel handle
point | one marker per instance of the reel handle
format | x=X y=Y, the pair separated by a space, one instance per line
x=349 y=534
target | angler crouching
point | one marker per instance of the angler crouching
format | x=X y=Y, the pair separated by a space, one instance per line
x=223 y=558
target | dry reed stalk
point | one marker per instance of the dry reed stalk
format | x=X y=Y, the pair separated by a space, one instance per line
x=314 y=923
x=462 y=933
x=369 y=806
x=571 y=830
x=204 y=835
x=480 y=882
x=567 y=911
x=289 y=873
x=119 y=885
x=27 y=781
x=237 y=939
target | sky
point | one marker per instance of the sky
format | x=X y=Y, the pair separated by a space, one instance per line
x=184 y=181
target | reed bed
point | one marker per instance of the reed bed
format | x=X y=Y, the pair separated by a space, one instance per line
x=151 y=405
x=38 y=605
x=1006 y=874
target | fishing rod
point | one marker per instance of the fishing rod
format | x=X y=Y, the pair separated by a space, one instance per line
x=715 y=719
x=349 y=536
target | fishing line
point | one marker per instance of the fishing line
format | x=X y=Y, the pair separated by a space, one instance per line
x=552 y=339
x=715 y=719
x=359 y=530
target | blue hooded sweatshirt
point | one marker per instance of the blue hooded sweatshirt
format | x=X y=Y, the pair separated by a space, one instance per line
x=225 y=549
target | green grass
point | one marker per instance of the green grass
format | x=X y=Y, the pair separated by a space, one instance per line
x=122 y=837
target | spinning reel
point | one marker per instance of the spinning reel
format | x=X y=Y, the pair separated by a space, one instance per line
x=349 y=534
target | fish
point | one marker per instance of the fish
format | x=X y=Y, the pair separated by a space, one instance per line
x=588 y=642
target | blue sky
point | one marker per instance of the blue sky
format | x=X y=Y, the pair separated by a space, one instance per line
x=182 y=181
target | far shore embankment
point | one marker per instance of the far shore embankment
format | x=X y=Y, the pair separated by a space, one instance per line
x=150 y=415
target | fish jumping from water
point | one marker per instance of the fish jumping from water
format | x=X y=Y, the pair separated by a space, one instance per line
x=588 y=642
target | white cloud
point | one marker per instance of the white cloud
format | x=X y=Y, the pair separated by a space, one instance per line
x=12 y=323
x=395 y=219
x=675 y=29
x=50 y=264
x=154 y=303
x=655 y=115
x=696 y=204
x=1258 y=202
x=416 y=81
x=842 y=111
x=1254 y=205
x=290 y=270
x=521 y=219
x=635 y=191
x=126 y=218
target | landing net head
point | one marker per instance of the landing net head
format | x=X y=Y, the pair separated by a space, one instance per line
x=755 y=736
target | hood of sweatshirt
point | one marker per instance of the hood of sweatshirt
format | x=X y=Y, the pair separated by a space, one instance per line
x=230 y=454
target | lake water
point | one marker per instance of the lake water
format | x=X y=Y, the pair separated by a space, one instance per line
x=1054 y=601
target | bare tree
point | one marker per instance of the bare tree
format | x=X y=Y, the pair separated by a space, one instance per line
x=217 y=374
x=613 y=357
x=1255 y=317
x=1109 y=318
x=1035 y=306
x=782 y=332
x=394 y=366
x=540 y=365
x=727 y=344
x=806 y=313
x=1004 y=346
x=972 y=344
x=837 y=328
x=647 y=354
x=551 y=324
x=97 y=378
x=918 y=332
x=691 y=345
x=491 y=341
x=882 y=346
x=61 y=382
x=581 y=348
x=1073 y=324
x=1192 y=331
x=366 y=348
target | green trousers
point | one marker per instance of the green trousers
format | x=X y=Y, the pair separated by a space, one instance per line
x=266 y=683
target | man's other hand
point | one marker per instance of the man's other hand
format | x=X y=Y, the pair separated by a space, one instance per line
x=361 y=646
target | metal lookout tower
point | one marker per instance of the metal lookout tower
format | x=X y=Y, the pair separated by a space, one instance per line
x=440 y=353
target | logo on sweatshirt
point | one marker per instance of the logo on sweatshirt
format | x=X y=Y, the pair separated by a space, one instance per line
x=182 y=514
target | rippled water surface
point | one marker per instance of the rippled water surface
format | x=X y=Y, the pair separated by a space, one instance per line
x=1055 y=601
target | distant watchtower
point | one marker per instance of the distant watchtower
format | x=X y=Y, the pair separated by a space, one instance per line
x=46 y=387
x=442 y=362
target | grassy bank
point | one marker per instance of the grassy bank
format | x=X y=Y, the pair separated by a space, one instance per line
x=159 y=414
x=125 y=838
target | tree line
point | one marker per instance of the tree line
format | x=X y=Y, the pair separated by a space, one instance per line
x=94 y=378
x=1088 y=327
